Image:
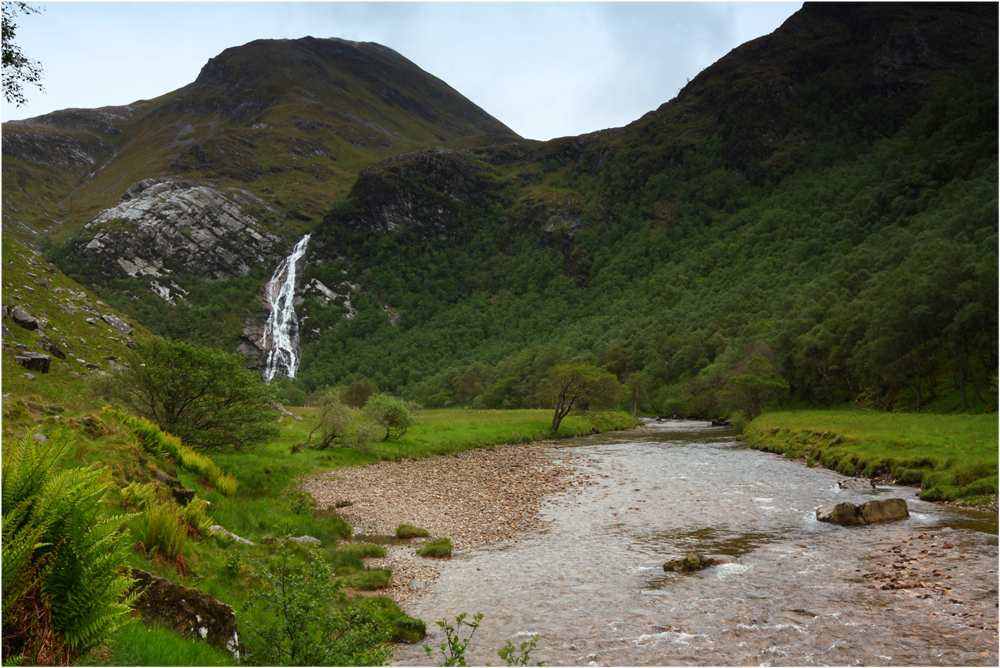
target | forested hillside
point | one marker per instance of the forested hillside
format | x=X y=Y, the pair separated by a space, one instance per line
x=823 y=199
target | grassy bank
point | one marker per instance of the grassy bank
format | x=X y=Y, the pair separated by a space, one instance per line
x=950 y=457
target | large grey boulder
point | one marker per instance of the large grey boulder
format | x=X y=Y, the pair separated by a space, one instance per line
x=857 y=483
x=216 y=529
x=190 y=611
x=23 y=318
x=117 y=323
x=873 y=512
x=34 y=361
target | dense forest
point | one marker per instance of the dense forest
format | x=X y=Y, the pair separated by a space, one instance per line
x=824 y=197
x=864 y=278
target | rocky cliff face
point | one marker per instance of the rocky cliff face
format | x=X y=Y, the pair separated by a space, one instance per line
x=162 y=225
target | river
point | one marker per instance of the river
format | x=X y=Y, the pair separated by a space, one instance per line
x=589 y=581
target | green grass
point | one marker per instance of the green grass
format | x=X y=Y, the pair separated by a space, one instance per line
x=142 y=644
x=437 y=548
x=369 y=579
x=406 y=531
x=950 y=457
x=363 y=550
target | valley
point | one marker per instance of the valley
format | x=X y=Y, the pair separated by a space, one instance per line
x=799 y=247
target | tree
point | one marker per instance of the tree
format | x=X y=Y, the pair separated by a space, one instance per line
x=334 y=420
x=636 y=386
x=17 y=68
x=390 y=413
x=356 y=394
x=204 y=396
x=579 y=384
x=754 y=384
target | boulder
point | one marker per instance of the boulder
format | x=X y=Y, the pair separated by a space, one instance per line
x=166 y=479
x=54 y=349
x=23 y=318
x=857 y=483
x=307 y=540
x=216 y=529
x=184 y=496
x=117 y=323
x=34 y=361
x=190 y=611
x=873 y=512
x=696 y=562
x=6 y=332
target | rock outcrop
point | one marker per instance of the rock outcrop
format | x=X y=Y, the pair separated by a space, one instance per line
x=873 y=512
x=162 y=225
x=34 y=361
x=193 y=612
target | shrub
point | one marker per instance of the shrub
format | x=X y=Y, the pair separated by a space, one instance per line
x=309 y=622
x=390 y=413
x=407 y=531
x=740 y=421
x=403 y=627
x=437 y=548
x=61 y=551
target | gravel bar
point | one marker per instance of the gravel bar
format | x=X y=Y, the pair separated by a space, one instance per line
x=475 y=498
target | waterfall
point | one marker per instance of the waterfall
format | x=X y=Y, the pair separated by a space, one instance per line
x=281 y=331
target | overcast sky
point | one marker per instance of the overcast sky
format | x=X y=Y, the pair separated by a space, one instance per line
x=544 y=69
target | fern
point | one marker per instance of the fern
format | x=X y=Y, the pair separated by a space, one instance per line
x=54 y=535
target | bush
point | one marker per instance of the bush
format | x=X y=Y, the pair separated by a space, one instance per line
x=437 y=548
x=390 y=413
x=203 y=395
x=61 y=558
x=740 y=420
x=309 y=621
x=407 y=531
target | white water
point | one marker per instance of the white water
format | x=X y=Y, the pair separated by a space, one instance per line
x=281 y=331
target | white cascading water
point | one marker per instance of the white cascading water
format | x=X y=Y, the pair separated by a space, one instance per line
x=281 y=331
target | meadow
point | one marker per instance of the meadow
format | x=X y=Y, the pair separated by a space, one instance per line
x=950 y=457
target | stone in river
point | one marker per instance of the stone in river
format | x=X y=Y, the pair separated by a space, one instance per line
x=857 y=483
x=873 y=512
x=695 y=562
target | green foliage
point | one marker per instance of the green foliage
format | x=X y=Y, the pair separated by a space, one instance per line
x=453 y=648
x=520 y=656
x=369 y=579
x=144 y=644
x=160 y=443
x=754 y=384
x=161 y=529
x=59 y=518
x=308 y=622
x=139 y=495
x=390 y=414
x=407 y=531
x=363 y=550
x=18 y=68
x=204 y=396
x=356 y=394
x=582 y=385
x=437 y=548
x=740 y=421
x=404 y=628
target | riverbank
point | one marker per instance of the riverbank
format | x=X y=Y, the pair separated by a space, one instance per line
x=475 y=498
x=953 y=458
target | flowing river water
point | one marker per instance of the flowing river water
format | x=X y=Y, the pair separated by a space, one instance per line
x=589 y=581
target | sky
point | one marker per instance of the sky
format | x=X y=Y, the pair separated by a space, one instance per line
x=543 y=69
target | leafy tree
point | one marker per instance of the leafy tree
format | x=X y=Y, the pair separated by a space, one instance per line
x=754 y=385
x=18 y=69
x=579 y=384
x=334 y=420
x=204 y=396
x=390 y=413
x=356 y=394
x=636 y=386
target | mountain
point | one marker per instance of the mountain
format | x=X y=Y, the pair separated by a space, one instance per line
x=823 y=197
